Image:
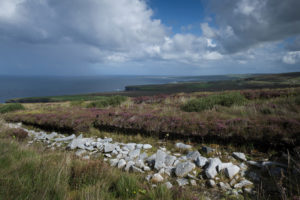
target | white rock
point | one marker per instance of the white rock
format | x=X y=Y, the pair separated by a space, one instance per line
x=160 y=159
x=231 y=171
x=121 y=164
x=146 y=168
x=224 y=186
x=184 y=168
x=169 y=161
x=109 y=147
x=239 y=155
x=130 y=146
x=147 y=146
x=107 y=155
x=254 y=163
x=71 y=137
x=183 y=146
x=243 y=183
x=168 y=185
x=135 y=153
x=129 y=165
x=211 y=170
x=193 y=155
x=182 y=182
x=113 y=162
x=201 y=161
x=193 y=182
x=136 y=169
x=80 y=152
x=222 y=166
x=211 y=183
x=157 y=178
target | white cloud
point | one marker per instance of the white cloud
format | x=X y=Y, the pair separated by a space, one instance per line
x=207 y=30
x=213 y=55
x=291 y=57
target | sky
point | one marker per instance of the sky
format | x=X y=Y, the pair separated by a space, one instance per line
x=149 y=37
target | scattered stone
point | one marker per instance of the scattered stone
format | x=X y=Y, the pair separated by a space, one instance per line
x=248 y=190
x=113 y=162
x=160 y=159
x=211 y=183
x=147 y=146
x=148 y=177
x=135 y=153
x=109 y=147
x=121 y=164
x=184 y=168
x=129 y=165
x=168 y=185
x=254 y=163
x=222 y=166
x=107 y=155
x=51 y=136
x=139 y=146
x=71 y=137
x=201 y=161
x=224 y=186
x=146 y=168
x=183 y=146
x=232 y=182
x=231 y=171
x=80 y=152
x=193 y=155
x=243 y=183
x=157 y=178
x=143 y=156
x=193 y=182
x=169 y=161
x=136 y=169
x=211 y=171
x=130 y=146
x=182 y=182
x=207 y=150
x=239 y=155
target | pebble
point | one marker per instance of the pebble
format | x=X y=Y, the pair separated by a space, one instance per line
x=182 y=182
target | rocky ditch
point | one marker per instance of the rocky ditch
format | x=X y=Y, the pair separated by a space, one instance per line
x=232 y=173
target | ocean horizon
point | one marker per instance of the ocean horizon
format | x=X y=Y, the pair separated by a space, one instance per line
x=38 y=86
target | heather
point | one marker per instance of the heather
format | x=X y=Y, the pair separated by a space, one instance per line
x=257 y=116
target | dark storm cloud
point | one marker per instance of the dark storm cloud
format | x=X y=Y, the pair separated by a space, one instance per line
x=246 y=23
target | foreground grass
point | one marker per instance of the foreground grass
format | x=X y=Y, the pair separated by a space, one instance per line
x=37 y=173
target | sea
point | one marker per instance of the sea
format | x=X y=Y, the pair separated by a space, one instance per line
x=39 y=86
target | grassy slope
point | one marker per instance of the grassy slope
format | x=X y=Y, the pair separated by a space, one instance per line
x=255 y=82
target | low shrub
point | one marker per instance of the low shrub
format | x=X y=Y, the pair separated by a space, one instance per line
x=19 y=134
x=11 y=107
x=108 y=101
x=204 y=103
x=76 y=103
